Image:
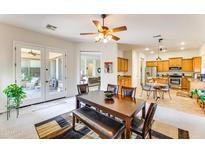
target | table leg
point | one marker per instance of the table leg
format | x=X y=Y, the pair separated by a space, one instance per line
x=144 y=111
x=128 y=125
x=77 y=107
x=77 y=103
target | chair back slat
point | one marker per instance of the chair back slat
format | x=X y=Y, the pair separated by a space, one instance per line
x=149 y=117
x=83 y=89
x=113 y=88
x=128 y=91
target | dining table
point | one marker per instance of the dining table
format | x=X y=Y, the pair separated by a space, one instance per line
x=157 y=87
x=119 y=106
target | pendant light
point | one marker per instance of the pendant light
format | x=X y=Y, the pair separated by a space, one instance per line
x=158 y=50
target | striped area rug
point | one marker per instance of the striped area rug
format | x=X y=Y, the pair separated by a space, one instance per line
x=60 y=127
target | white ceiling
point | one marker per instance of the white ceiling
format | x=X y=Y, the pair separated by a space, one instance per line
x=141 y=28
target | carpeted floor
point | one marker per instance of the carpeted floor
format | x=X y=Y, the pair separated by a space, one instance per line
x=60 y=127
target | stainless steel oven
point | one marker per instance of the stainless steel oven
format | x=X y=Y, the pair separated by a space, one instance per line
x=175 y=81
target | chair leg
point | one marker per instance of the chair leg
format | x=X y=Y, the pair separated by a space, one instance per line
x=149 y=93
x=123 y=135
x=170 y=95
x=73 y=122
x=162 y=95
x=150 y=134
x=141 y=92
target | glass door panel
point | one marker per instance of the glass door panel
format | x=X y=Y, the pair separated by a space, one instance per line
x=31 y=72
x=29 y=64
x=55 y=74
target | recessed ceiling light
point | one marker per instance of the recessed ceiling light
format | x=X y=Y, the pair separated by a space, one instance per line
x=51 y=27
x=182 y=43
x=152 y=52
x=147 y=49
x=182 y=48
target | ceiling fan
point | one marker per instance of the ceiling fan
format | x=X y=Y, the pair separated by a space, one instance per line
x=104 y=33
x=33 y=53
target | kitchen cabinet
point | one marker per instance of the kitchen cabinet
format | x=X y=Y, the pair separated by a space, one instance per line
x=163 y=66
x=185 y=84
x=162 y=80
x=175 y=62
x=197 y=64
x=124 y=81
x=151 y=63
x=187 y=65
x=122 y=64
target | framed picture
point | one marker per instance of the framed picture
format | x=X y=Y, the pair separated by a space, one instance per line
x=108 y=67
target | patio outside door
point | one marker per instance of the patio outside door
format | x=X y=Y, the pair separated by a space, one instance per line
x=55 y=74
x=41 y=72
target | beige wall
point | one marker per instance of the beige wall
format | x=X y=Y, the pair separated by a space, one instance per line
x=202 y=53
x=8 y=34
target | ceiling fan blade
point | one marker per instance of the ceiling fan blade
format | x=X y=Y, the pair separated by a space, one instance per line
x=88 y=33
x=98 y=25
x=119 y=29
x=115 y=38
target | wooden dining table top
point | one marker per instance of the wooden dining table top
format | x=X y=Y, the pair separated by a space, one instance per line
x=157 y=84
x=119 y=106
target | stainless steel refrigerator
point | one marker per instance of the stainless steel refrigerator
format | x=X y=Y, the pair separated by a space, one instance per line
x=150 y=72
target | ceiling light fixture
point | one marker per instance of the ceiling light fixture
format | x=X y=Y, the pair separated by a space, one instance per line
x=159 y=49
x=104 y=33
x=182 y=48
x=182 y=43
x=146 y=49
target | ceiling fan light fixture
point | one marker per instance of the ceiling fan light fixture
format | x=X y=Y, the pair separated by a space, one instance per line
x=101 y=35
x=105 y=40
x=97 y=39
x=109 y=37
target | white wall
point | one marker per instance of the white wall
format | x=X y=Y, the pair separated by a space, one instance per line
x=167 y=55
x=109 y=53
x=202 y=53
x=8 y=34
x=136 y=59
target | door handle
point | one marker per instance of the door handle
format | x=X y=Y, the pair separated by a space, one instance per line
x=46 y=81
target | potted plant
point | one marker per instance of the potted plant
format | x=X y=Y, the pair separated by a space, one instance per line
x=201 y=96
x=15 y=95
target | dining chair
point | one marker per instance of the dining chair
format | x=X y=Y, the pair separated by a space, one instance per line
x=143 y=127
x=148 y=88
x=128 y=91
x=166 y=89
x=112 y=88
x=83 y=89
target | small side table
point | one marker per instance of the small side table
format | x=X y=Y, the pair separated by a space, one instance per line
x=9 y=108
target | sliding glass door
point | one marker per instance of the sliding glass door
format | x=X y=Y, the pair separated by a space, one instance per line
x=41 y=72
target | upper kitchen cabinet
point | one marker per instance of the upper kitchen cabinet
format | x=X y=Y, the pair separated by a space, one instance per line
x=163 y=66
x=122 y=64
x=175 y=62
x=151 y=63
x=187 y=65
x=197 y=64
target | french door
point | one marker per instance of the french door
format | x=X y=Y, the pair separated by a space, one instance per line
x=41 y=72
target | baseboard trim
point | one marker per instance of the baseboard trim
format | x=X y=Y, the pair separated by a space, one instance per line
x=38 y=103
